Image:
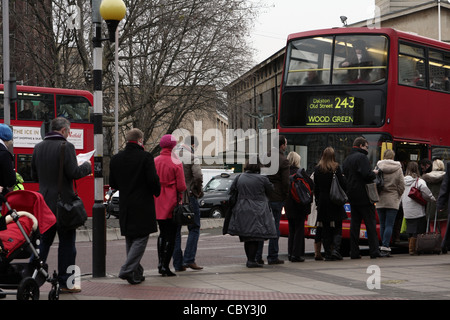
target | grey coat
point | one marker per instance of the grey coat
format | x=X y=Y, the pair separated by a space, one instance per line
x=45 y=169
x=251 y=216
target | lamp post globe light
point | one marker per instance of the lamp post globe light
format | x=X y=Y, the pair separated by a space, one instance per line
x=112 y=11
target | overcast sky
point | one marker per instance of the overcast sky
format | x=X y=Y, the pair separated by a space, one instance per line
x=283 y=17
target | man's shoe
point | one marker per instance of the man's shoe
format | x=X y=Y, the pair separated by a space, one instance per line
x=278 y=261
x=75 y=289
x=131 y=279
x=297 y=259
x=194 y=266
x=376 y=255
x=253 y=264
x=260 y=261
x=336 y=255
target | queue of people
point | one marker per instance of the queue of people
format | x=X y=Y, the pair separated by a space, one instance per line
x=355 y=175
x=174 y=177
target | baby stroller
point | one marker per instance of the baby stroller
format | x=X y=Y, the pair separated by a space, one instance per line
x=30 y=217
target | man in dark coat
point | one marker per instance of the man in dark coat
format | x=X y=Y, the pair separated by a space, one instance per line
x=358 y=173
x=133 y=173
x=280 y=181
x=45 y=164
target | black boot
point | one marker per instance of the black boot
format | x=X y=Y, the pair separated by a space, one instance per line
x=335 y=253
x=160 y=248
x=167 y=256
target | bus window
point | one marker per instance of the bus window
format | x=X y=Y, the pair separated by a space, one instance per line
x=309 y=61
x=360 y=59
x=12 y=109
x=74 y=108
x=442 y=153
x=38 y=105
x=411 y=66
x=25 y=110
x=24 y=167
x=439 y=66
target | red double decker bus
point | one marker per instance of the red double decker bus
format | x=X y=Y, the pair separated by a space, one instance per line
x=31 y=114
x=389 y=86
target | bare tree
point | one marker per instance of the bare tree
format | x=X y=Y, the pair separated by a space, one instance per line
x=175 y=56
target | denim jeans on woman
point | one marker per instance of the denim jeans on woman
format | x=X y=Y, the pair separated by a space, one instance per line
x=387 y=220
x=191 y=243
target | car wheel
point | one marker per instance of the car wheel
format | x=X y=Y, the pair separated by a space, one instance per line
x=216 y=213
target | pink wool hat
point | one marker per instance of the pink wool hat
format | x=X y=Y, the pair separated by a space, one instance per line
x=168 y=141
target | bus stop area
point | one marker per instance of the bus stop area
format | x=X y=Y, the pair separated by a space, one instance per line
x=400 y=277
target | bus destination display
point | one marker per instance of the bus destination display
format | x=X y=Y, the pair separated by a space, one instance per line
x=330 y=110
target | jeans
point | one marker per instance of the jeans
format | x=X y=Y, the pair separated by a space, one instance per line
x=273 y=243
x=387 y=220
x=67 y=251
x=191 y=243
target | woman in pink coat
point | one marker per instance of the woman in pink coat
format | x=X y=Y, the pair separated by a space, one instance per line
x=171 y=176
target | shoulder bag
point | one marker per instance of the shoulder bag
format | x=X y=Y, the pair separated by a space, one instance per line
x=68 y=215
x=337 y=194
x=372 y=192
x=182 y=214
x=379 y=180
x=416 y=195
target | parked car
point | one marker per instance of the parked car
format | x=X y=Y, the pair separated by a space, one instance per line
x=216 y=195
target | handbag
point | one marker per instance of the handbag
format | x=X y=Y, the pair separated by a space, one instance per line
x=337 y=194
x=182 y=214
x=68 y=215
x=416 y=195
x=372 y=192
x=379 y=180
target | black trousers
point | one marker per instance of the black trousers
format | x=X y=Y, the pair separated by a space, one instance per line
x=367 y=214
x=296 y=239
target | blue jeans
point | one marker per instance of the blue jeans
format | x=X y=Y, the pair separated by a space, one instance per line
x=191 y=243
x=67 y=251
x=273 y=243
x=387 y=220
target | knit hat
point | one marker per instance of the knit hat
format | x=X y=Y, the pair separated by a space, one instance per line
x=168 y=141
x=5 y=132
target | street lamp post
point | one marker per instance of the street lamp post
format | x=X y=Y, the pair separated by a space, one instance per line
x=112 y=11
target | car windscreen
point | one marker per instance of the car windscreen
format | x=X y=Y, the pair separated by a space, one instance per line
x=219 y=184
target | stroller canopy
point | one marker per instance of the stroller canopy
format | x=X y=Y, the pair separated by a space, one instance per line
x=34 y=203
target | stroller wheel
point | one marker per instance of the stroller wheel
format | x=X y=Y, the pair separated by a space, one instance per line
x=28 y=289
x=53 y=294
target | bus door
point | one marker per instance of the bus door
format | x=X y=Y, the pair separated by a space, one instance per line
x=406 y=151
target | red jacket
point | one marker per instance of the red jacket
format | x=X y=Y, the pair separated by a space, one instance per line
x=171 y=176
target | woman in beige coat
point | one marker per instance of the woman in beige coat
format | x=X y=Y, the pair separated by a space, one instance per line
x=390 y=197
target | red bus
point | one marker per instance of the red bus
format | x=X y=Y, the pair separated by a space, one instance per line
x=31 y=114
x=389 y=86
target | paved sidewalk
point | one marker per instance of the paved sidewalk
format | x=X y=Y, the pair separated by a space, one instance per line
x=425 y=277
x=401 y=277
